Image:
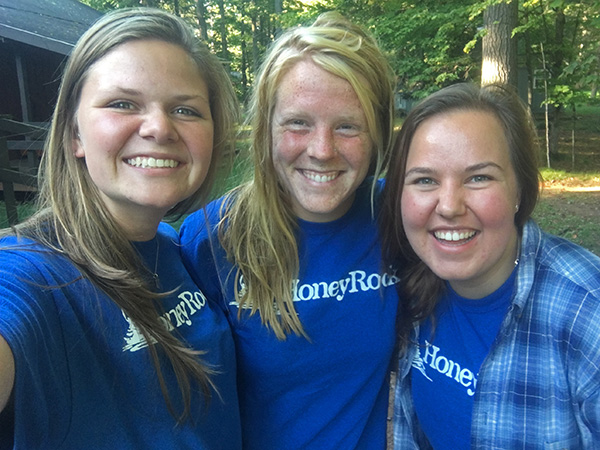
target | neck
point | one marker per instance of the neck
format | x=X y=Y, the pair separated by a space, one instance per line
x=489 y=282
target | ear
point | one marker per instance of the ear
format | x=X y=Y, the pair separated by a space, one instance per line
x=77 y=146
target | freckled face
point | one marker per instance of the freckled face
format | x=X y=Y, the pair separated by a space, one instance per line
x=321 y=145
x=459 y=198
x=145 y=129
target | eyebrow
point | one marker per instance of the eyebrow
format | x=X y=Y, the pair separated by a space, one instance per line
x=179 y=98
x=420 y=171
x=484 y=165
x=473 y=168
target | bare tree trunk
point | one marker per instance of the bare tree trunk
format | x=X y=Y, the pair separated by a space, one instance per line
x=499 y=63
x=573 y=123
x=223 y=32
x=201 y=14
x=546 y=116
x=556 y=68
x=278 y=10
x=529 y=66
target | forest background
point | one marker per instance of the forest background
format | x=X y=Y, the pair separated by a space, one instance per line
x=548 y=49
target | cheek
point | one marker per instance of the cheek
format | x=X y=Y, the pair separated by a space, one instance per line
x=201 y=145
x=103 y=131
x=285 y=148
x=496 y=211
x=358 y=154
x=415 y=210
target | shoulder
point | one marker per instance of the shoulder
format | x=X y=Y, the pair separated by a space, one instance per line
x=30 y=274
x=207 y=217
x=563 y=258
x=199 y=231
x=561 y=281
x=166 y=231
x=27 y=263
x=22 y=254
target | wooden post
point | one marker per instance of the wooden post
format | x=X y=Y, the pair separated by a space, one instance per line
x=10 y=200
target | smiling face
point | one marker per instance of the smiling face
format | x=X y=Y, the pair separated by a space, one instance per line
x=145 y=130
x=321 y=145
x=459 y=200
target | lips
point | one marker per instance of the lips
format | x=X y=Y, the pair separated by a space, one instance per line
x=454 y=236
x=149 y=162
x=320 y=177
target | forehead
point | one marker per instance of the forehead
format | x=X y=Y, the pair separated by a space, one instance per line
x=151 y=59
x=305 y=81
x=460 y=136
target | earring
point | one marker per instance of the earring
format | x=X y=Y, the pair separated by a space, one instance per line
x=517 y=207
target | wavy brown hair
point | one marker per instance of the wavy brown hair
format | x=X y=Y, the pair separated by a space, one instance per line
x=420 y=288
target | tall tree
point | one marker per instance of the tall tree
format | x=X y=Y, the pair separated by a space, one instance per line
x=201 y=16
x=499 y=47
x=223 y=31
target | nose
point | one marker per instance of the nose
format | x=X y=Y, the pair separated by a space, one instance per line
x=322 y=144
x=158 y=125
x=451 y=201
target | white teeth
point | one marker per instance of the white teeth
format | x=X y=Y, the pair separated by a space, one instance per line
x=453 y=235
x=152 y=162
x=319 y=178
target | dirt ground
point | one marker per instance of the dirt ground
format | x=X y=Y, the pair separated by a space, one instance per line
x=588 y=196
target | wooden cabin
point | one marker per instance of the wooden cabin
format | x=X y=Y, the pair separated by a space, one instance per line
x=35 y=38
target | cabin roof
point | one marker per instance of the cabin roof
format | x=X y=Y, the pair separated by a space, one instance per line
x=54 y=25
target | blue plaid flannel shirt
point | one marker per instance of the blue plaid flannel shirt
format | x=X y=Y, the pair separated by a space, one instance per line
x=539 y=387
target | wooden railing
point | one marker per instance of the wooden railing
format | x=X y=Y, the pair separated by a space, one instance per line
x=19 y=159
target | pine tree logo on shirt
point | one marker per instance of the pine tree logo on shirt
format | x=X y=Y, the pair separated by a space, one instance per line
x=182 y=314
x=134 y=339
x=419 y=364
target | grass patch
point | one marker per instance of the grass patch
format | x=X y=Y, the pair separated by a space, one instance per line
x=572 y=215
x=24 y=210
x=568 y=177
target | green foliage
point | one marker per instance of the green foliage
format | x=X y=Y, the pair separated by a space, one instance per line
x=430 y=43
x=24 y=210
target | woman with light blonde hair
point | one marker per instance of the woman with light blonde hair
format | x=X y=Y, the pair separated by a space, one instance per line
x=105 y=341
x=296 y=256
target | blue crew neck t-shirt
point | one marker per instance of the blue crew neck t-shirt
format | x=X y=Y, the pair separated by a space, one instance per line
x=83 y=374
x=444 y=377
x=329 y=391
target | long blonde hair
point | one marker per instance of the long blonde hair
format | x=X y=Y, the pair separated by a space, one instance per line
x=72 y=220
x=258 y=229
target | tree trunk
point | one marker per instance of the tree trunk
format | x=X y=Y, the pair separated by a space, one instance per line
x=558 y=61
x=278 y=11
x=201 y=14
x=223 y=31
x=255 y=41
x=499 y=58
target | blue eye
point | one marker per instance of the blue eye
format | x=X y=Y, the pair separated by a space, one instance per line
x=120 y=104
x=297 y=123
x=349 y=129
x=424 y=181
x=184 y=111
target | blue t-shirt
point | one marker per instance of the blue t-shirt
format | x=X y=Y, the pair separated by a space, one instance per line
x=331 y=391
x=83 y=374
x=444 y=378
